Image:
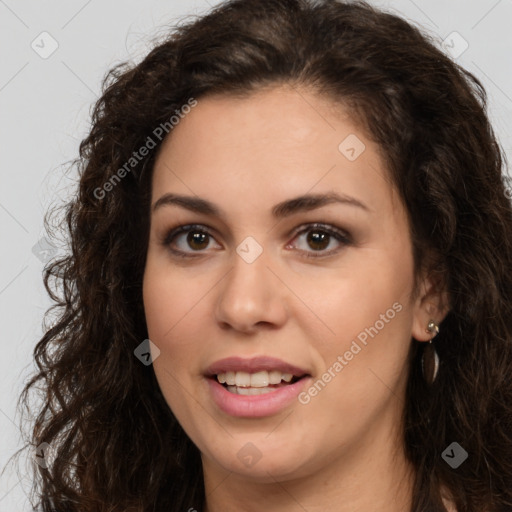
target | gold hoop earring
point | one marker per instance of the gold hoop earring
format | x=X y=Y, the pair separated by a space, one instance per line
x=429 y=358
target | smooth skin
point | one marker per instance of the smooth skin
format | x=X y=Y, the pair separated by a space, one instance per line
x=342 y=451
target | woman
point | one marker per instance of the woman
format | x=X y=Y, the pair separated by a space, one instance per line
x=289 y=285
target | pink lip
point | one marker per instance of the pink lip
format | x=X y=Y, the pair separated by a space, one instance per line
x=253 y=365
x=255 y=406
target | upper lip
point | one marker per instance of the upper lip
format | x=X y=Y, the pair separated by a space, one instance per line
x=253 y=365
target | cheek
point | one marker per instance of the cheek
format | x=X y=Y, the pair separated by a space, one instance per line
x=354 y=296
x=168 y=299
x=166 y=306
x=175 y=310
x=162 y=309
x=368 y=311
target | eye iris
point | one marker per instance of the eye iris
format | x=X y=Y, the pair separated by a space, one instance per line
x=317 y=240
x=196 y=237
x=318 y=237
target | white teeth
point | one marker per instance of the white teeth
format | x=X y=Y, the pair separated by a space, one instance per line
x=274 y=377
x=242 y=379
x=254 y=380
x=260 y=379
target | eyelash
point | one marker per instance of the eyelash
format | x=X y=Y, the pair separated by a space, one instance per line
x=332 y=231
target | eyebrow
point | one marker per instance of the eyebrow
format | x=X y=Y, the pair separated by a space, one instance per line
x=284 y=209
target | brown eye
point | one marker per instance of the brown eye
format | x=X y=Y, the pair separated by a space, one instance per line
x=197 y=240
x=318 y=240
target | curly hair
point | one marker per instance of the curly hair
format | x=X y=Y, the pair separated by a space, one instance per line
x=117 y=446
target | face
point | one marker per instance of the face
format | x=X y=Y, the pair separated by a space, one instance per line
x=325 y=286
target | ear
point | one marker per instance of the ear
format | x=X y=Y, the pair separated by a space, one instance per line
x=432 y=303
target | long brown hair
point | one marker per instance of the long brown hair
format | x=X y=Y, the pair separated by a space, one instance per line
x=116 y=444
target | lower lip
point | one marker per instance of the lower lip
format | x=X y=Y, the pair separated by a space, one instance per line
x=255 y=406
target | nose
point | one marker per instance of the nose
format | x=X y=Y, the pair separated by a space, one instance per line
x=251 y=297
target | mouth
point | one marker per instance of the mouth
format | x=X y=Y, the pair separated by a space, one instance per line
x=258 y=383
x=256 y=387
x=254 y=376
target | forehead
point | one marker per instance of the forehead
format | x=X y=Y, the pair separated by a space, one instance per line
x=270 y=121
x=273 y=144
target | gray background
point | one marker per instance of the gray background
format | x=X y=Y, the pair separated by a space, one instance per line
x=44 y=105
